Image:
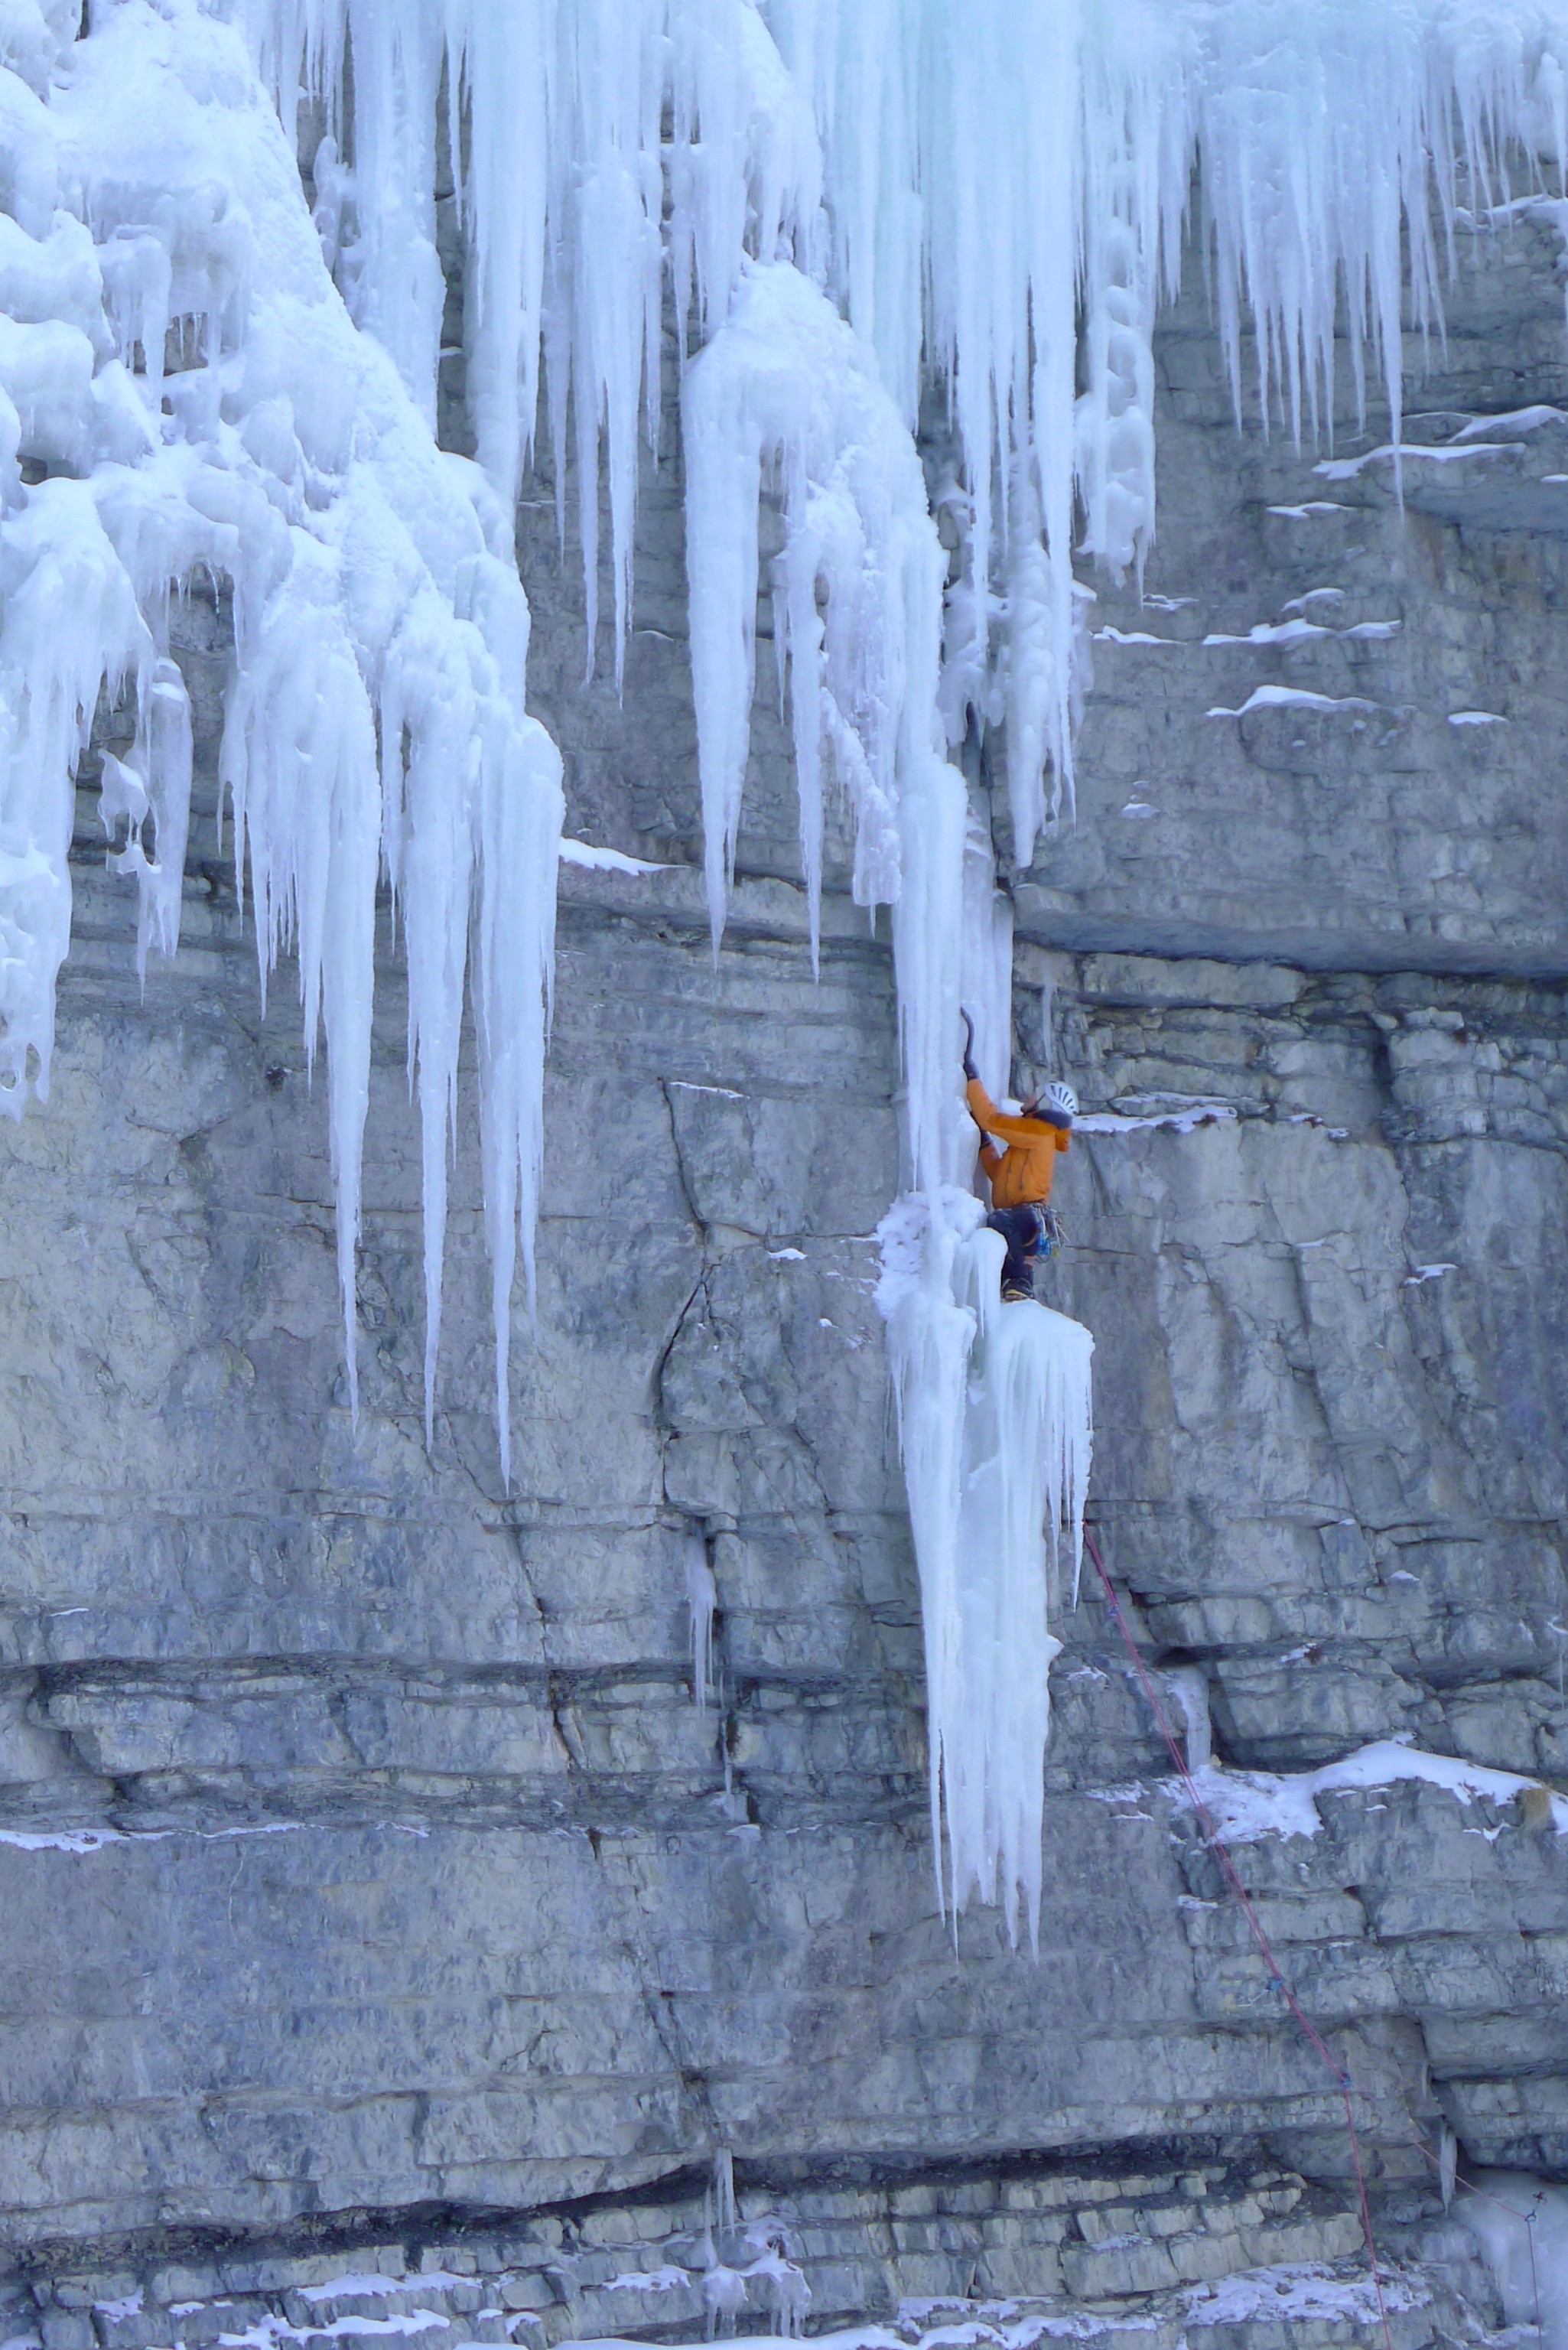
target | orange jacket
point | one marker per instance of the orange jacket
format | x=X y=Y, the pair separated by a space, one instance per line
x=1019 y=1175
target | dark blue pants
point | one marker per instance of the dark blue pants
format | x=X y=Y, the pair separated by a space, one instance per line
x=1020 y=1228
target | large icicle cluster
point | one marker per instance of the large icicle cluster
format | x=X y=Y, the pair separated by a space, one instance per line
x=994 y=193
x=175 y=359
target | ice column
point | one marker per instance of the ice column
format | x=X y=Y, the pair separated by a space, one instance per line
x=994 y=1426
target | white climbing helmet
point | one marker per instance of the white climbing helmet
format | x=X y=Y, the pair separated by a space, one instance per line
x=1062 y=1099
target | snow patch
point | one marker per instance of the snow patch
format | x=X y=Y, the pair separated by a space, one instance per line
x=370 y=2283
x=1315 y=596
x=1247 y=1804
x=1185 y=1120
x=1293 y=2291
x=1276 y=632
x=1292 y=697
x=605 y=860
x=1345 y=469
x=1517 y=420
x=77 y=1840
x=1302 y=632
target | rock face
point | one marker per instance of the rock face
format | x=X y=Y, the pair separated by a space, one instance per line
x=376 y=1893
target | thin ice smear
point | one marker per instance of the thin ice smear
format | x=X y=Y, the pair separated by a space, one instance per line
x=1520 y=2223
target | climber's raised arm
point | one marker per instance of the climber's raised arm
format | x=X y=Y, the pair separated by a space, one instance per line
x=1055 y=1109
x=1021 y=1174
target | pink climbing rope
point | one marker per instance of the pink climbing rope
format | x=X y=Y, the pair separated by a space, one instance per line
x=1342 y=2079
x=1216 y=1843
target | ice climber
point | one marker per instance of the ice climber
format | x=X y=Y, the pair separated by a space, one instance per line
x=1022 y=1172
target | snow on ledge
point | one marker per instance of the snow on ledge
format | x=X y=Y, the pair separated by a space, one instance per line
x=1181 y=1121
x=1249 y=1805
x=373 y=2282
x=1344 y=469
x=1518 y=420
x=1307 y=2290
x=1304 y=2290
x=1476 y=718
x=605 y=860
x=61 y=1839
x=85 y=1840
x=1298 y=630
x=1293 y=697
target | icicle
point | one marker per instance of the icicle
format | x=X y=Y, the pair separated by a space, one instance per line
x=724 y=2191
x=1188 y=1685
x=986 y=959
x=701 y=1605
x=786 y=384
x=157 y=783
x=394 y=272
x=1048 y=1021
x=70 y=630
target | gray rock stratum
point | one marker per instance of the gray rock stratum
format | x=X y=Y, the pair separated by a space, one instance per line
x=393 y=1943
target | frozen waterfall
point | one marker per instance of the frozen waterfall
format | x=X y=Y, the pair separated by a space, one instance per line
x=848 y=203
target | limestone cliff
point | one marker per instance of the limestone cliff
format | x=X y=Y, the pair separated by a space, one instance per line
x=374 y=1890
